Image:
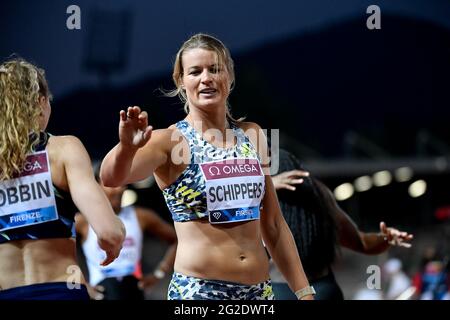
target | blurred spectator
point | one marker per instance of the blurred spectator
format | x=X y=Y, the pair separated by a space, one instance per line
x=319 y=225
x=365 y=293
x=397 y=280
x=123 y=279
x=432 y=282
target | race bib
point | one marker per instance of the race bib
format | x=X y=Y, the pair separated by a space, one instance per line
x=234 y=189
x=29 y=198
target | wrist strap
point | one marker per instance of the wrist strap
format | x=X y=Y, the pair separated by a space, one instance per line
x=159 y=273
x=306 y=291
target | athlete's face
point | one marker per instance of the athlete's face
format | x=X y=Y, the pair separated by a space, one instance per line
x=206 y=82
x=115 y=197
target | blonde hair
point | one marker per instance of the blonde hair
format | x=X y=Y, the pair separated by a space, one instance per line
x=21 y=86
x=207 y=42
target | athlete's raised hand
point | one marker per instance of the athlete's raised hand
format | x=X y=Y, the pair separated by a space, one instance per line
x=134 y=130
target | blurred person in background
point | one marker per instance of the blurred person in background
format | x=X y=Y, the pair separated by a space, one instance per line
x=123 y=279
x=432 y=282
x=397 y=280
x=319 y=225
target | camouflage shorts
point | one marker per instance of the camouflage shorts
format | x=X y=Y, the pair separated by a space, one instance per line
x=184 y=287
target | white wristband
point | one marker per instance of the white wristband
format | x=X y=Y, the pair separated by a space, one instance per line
x=306 y=291
x=159 y=274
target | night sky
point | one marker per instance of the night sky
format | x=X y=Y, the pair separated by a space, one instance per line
x=36 y=30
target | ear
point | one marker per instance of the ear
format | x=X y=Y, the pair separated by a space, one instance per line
x=42 y=101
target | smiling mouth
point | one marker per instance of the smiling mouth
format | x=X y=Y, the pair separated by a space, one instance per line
x=208 y=91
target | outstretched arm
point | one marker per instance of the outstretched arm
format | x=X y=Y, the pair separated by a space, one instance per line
x=89 y=197
x=135 y=157
x=351 y=237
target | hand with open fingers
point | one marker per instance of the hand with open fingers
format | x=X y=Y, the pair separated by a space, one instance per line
x=134 y=130
x=395 y=237
x=288 y=179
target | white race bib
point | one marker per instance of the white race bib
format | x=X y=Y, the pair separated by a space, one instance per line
x=234 y=189
x=29 y=198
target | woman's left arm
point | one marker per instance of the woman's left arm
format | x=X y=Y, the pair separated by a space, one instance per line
x=279 y=241
x=276 y=234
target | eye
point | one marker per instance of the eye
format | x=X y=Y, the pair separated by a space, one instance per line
x=215 y=69
x=194 y=72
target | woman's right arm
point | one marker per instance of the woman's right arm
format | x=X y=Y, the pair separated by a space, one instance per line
x=89 y=197
x=352 y=238
x=135 y=157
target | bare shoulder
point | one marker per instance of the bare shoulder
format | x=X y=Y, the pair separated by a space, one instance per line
x=62 y=148
x=67 y=152
x=257 y=137
x=65 y=143
x=253 y=131
x=163 y=141
x=245 y=125
x=165 y=137
x=164 y=133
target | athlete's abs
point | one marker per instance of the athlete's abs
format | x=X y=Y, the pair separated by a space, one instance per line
x=26 y=262
x=232 y=252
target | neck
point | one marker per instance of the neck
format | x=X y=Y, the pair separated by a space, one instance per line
x=208 y=120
